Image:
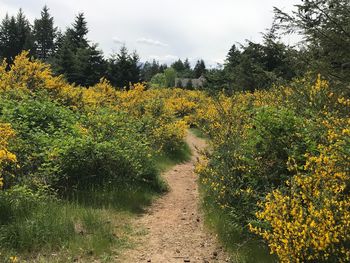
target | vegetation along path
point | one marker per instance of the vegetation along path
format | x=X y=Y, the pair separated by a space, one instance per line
x=175 y=230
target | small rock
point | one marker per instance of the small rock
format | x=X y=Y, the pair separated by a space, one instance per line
x=182 y=218
x=215 y=254
x=187 y=260
x=198 y=219
x=177 y=250
x=149 y=260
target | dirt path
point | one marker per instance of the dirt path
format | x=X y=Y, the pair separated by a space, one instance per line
x=175 y=231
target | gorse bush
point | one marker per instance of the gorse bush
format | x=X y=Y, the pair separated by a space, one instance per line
x=6 y=133
x=310 y=219
x=252 y=160
x=73 y=141
x=69 y=136
x=279 y=168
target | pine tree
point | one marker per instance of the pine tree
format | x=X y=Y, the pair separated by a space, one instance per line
x=64 y=60
x=80 y=62
x=146 y=71
x=8 y=34
x=233 y=57
x=78 y=33
x=187 y=65
x=162 y=68
x=44 y=34
x=178 y=66
x=15 y=36
x=24 y=33
x=199 y=69
x=325 y=25
x=89 y=66
x=135 y=71
x=123 y=68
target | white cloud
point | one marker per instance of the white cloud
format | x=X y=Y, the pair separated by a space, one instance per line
x=118 y=41
x=151 y=42
x=197 y=28
x=168 y=58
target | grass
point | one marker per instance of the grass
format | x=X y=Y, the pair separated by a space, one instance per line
x=165 y=162
x=64 y=230
x=132 y=198
x=241 y=249
x=87 y=225
x=199 y=133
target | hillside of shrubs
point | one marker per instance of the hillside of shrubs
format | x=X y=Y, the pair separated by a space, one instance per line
x=68 y=149
x=279 y=170
x=276 y=172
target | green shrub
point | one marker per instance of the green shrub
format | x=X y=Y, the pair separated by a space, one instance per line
x=254 y=160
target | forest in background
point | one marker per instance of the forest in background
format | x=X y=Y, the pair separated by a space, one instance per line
x=248 y=66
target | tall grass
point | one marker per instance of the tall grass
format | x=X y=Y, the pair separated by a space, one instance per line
x=93 y=222
x=53 y=225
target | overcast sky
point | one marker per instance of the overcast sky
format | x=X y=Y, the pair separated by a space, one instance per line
x=162 y=29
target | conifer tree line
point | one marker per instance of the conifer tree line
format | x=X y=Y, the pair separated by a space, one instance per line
x=324 y=28
x=323 y=24
x=72 y=54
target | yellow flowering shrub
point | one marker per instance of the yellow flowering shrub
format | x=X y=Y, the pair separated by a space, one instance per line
x=6 y=133
x=170 y=136
x=311 y=221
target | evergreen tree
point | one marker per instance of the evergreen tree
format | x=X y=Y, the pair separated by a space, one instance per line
x=135 y=68
x=123 y=68
x=325 y=25
x=44 y=34
x=233 y=57
x=64 y=60
x=178 y=66
x=146 y=71
x=15 y=36
x=8 y=35
x=162 y=68
x=77 y=35
x=24 y=33
x=187 y=65
x=199 y=69
x=89 y=66
x=80 y=62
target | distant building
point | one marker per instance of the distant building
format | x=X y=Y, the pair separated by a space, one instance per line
x=185 y=82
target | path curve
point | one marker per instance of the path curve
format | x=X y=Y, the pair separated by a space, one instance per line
x=174 y=223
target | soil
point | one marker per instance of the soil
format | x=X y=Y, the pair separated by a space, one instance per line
x=174 y=223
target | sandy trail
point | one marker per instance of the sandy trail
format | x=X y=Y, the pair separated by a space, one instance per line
x=175 y=231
